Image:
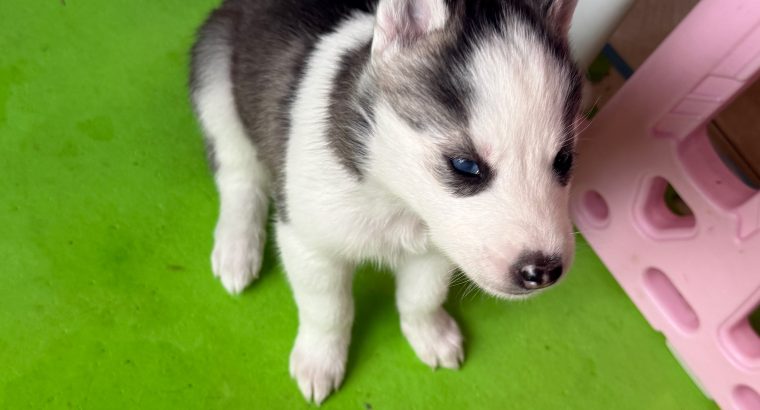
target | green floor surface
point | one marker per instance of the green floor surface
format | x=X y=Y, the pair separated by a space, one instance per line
x=106 y=297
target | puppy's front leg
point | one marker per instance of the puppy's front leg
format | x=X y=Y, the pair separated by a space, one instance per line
x=421 y=287
x=322 y=289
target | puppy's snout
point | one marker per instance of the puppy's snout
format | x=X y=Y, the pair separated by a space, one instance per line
x=536 y=270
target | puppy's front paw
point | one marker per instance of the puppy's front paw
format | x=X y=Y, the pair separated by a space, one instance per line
x=435 y=338
x=236 y=258
x=318 y=368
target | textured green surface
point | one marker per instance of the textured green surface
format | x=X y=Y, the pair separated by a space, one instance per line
x=106 y=298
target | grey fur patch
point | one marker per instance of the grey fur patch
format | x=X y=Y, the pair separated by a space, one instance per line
x=264 y=103
x=213 y=164
x=351 y=111
x=428 y=87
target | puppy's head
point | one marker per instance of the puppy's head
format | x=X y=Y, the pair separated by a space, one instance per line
x=475 y=130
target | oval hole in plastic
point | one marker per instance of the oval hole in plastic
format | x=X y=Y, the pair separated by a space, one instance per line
x=670 y=301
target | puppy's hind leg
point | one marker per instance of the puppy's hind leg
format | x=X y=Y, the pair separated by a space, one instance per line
x=241 y=179
x=240 y=231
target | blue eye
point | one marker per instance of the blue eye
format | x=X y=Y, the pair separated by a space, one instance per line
x=466 y=166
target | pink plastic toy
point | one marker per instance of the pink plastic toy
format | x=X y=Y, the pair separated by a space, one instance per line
x=696 y=278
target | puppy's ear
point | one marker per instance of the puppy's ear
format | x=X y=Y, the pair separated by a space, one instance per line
x=401 y=23
x=559 y=14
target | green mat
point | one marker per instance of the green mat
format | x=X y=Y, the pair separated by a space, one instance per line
x=106 y=296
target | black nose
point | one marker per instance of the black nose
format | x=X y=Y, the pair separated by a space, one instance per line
x=536 y=270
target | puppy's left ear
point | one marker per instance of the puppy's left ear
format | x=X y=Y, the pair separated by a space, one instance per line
x=559 y=14
x=401 y=23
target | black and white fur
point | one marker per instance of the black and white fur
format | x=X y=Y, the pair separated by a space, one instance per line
x=348 y=113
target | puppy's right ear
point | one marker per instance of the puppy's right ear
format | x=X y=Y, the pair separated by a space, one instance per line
x=559 y=14
x=401 y=23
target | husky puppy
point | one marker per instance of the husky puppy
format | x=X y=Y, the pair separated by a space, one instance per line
x=426 y=135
